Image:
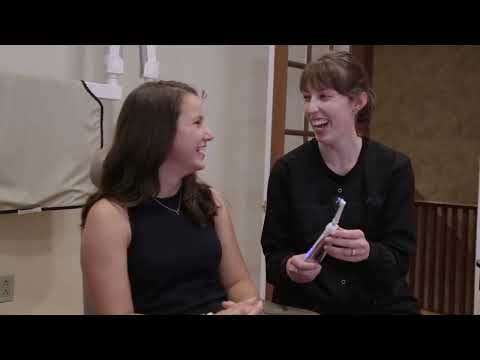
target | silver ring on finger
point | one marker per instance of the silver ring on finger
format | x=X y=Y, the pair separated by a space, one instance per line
x=353 y=252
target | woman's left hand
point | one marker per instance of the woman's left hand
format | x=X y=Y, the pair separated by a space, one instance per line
x=252 y=306
x=347 y=245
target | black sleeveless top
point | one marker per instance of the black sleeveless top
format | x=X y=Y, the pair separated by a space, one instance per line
x=173 y=264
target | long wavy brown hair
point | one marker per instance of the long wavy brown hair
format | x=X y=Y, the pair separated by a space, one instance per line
x=144 y=135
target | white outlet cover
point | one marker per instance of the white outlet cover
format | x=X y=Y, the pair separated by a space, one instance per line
x=6 y=288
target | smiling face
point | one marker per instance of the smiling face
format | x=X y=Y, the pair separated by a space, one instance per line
x=337 y=94
x=331 y=114
x=191 y=138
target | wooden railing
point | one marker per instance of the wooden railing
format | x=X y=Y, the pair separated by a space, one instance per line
x=442 y=273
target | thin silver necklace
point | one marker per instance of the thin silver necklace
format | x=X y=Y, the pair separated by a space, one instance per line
x=176 y=211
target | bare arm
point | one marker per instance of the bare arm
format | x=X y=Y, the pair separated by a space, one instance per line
x=233 y=271
x=105 y=241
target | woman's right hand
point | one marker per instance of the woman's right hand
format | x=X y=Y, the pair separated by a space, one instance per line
x=301 y=271
x=253 y=306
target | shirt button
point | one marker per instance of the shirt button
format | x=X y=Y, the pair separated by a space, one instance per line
x=339 y=190
x=343 y=282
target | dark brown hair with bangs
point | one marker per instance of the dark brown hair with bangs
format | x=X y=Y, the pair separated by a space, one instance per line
x=338 y=71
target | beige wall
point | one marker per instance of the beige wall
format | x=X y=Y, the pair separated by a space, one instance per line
x=428 y=108
x=42 y=250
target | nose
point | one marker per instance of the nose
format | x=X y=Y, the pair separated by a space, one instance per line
x=310 y=107
x=208 y=134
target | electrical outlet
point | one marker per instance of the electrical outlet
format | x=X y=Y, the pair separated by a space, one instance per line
x=6 y=288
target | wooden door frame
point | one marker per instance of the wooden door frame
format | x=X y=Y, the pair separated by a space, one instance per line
x=280 y=75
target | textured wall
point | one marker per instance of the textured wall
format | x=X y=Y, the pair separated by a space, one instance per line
x=428 y=107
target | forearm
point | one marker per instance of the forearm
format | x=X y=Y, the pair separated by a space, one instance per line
x=92 y=310
x=276 y=266
x=242 y=290
x=389 y=260
x=276 y=233
x=385 y=266
x=389 y=257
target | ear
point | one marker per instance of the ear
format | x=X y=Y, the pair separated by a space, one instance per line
x=359 y=101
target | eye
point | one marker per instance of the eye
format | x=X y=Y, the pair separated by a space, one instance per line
x=306 y=98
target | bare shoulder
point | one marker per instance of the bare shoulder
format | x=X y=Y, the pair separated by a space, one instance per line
x=107 y=219
x=218 y=198
x=107 y=210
